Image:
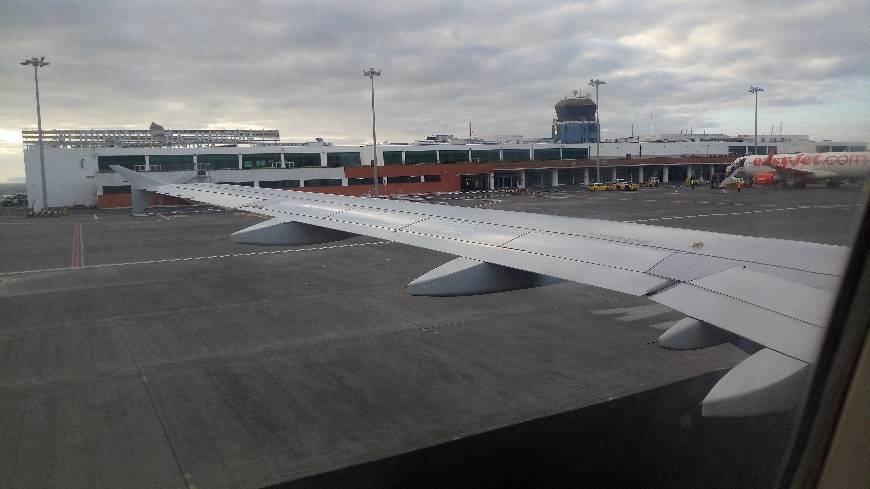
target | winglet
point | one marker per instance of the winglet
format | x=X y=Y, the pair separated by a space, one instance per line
x=137 y=180
x=141 y=188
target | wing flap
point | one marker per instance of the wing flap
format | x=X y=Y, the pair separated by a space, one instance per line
x=787 y=335
x=618 y=255
x=807 y=304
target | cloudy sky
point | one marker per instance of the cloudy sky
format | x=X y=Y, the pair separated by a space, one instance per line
x=297 y=66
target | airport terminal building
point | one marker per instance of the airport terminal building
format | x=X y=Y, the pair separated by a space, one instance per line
x=81 y=176
x=77 y=163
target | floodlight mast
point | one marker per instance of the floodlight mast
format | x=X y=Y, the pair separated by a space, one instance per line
x=39 y=63
x=595 y=82
x=755 y=90
x=372 y=73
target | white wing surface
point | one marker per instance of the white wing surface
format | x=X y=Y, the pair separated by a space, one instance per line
x=769 y=296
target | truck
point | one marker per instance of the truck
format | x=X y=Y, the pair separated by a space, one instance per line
x=13 y=200
x=623 y=184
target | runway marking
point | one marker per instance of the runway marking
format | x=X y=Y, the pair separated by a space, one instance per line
x=77 y=245
x=196 y=258
x=741 y=213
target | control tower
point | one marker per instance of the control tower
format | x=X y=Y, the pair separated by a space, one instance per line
x=575 y=120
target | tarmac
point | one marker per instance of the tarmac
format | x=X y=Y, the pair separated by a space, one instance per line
x=151 y=352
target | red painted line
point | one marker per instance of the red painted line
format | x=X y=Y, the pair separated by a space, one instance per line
x=77 y=245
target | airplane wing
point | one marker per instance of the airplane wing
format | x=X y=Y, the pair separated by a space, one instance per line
x=771 y=297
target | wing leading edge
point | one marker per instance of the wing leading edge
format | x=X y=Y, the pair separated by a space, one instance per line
x=766 y=295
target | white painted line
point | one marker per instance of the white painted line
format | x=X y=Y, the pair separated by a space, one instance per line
x=95 y=217
x=197 y=258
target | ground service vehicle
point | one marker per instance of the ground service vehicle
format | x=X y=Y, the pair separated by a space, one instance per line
x=622 y=184
x=597 y=186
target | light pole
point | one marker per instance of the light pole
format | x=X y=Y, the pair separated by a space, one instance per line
x=372 y=73
x=755 y=90
x=595 y=82
x=39 y=63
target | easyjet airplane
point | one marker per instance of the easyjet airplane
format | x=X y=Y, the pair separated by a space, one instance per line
x=801 y=167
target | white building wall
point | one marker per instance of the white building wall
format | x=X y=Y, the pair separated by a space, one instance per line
x=69 y=177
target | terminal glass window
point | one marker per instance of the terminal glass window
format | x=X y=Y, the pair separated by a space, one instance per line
x=484 y=155
x=453 y=156
x=417 y=157
x=548 y=154
x=431 y=178
x=575 y=153
x=403 y=179
x=279 y=184
x=343 y=159
x=264 y=160
x=323 y=182
x=360 y=181
x=392 y=157
x=516 y=155
x=219 y=161
x=172 y=162
x=116 y=189
x=296 y=160
x=127 y=161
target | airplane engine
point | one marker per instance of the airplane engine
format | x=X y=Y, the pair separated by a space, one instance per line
x=764 y=179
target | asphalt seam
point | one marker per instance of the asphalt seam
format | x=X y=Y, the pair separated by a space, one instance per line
x=181 y=472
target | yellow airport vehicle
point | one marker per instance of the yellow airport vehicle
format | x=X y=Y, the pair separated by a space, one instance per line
x=733 y=182
x=597 y=186
x=623 y=185
x=652 y=183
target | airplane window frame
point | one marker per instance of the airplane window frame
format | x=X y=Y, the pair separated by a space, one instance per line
x=825 y=398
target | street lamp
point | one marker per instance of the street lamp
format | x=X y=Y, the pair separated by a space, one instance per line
x=372 y=73
x=755 y=90
x=39 y=63
x=595 y=82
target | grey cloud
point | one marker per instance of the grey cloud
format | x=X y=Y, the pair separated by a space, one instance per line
x=298 y=66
